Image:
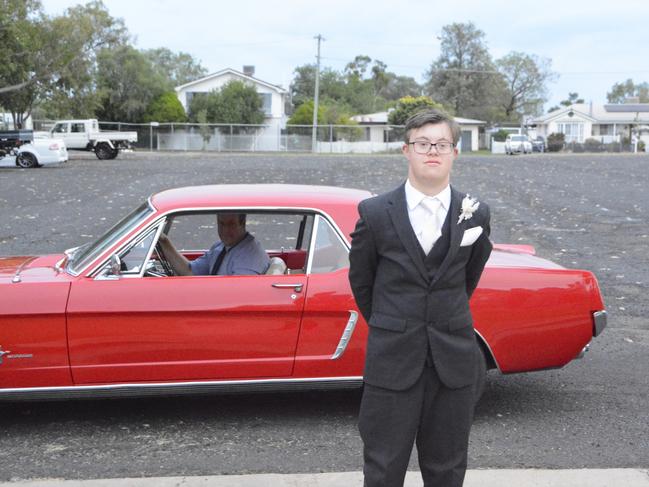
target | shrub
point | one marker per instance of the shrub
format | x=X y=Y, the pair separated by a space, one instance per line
x=556 y=141
x=593 y=145
x=642 y=147
x=501 y=135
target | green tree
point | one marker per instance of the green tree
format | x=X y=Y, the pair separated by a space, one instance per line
x=176 y=68
x=235 y=102
x=52 y=58
x=126 y=84
x=408 y=106
x=621 y=91
x=165 y=108
x=526 y=77
x=400 y=86
x=304 y=114
x=464 y=76
x=364 y=86
x=573 y=98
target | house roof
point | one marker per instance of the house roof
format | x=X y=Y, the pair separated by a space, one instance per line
x=381 y=118
x=234 y=72
x=612 y=113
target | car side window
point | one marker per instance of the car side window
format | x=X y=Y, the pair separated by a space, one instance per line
x=77 y=128
x=283 y=233
x=134 y=258
x=60 y=128
x=329 y=252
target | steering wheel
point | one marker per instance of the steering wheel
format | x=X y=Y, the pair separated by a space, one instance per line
x=168 y=269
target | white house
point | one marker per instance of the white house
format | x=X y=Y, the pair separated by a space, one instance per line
x=378 y=129
x=273 y=97
x=606 y=123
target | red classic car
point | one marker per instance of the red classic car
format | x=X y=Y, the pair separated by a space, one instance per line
x=109 y=318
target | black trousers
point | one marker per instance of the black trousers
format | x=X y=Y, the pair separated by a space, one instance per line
x=439 y=420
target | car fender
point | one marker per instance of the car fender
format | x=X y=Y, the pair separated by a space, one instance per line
x=103 y=141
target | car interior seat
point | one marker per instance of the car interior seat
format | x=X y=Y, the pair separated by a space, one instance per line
x=277 y=266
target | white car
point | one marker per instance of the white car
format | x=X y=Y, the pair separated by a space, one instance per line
x=518 y=143
x=38 y=152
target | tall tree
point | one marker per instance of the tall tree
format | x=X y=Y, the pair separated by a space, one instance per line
x=51 y=57
x=526 y=78
x=408 y=106
x=464 y=76
x=621 y=91
x=177 y=68
x=126 y=83
x=400 y=86
x=573 y=98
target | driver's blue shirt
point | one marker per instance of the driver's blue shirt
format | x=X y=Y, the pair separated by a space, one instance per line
x=245 y=258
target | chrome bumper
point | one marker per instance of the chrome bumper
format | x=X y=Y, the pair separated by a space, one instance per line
x=599 y=322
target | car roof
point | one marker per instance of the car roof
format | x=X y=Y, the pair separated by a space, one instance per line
x=272 y=195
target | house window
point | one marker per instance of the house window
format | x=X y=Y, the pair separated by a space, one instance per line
x=266 y=105
x=605 y=129
x=574 y=131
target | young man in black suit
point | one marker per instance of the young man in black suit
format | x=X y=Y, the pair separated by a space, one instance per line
x=417 y=255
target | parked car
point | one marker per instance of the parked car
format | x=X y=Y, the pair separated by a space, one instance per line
x=109 y=318
x=518 y=144
x=538 y=144
x=20 y=148
x=85 y=135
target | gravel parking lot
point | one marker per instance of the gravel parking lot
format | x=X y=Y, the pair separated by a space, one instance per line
x=582 y=211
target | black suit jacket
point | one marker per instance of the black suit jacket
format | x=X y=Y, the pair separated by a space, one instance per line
x=409 y=312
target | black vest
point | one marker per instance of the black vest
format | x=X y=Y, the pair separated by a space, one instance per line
x=437 y=254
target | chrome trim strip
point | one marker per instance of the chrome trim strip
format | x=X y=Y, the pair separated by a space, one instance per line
x=317 y=212
x=491 y=352
x=600 y=319
x=178 y=388
x=346 y=336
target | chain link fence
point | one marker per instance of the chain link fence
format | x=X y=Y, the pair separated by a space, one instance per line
x=256 y=138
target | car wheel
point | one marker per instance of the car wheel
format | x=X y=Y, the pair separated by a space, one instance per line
x=481 y=374
x=25 y=159
x=104 y=151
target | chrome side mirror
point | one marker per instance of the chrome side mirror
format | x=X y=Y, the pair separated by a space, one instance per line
x=114 y=265
x=112 y=270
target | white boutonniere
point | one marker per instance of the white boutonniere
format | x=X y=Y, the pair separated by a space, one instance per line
x=469 y=205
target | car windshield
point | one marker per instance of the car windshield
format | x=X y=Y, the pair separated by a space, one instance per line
x=87 y=253
x=518 y=138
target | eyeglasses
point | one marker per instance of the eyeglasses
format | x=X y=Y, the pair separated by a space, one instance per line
x=421 y=147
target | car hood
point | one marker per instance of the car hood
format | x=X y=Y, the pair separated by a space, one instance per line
x=21 y=268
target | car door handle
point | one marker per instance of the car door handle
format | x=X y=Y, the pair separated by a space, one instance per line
x=296 y=287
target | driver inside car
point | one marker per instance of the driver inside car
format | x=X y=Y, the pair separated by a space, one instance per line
x=236 y=253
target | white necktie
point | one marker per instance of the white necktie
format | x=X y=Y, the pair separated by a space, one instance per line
x=432 y=229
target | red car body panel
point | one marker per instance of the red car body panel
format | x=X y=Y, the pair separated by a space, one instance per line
x=63 y=330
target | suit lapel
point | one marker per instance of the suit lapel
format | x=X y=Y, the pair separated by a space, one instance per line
x=456 y=232
x=398 y=211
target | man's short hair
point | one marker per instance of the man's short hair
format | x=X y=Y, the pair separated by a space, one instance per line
x=242 y=216
x=434 y=117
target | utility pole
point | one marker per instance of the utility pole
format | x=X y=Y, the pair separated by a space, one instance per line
x=314 y=135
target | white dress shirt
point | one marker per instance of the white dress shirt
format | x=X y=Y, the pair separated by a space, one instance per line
x=419 y=215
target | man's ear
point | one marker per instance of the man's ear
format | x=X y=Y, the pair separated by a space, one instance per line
x=405 y=148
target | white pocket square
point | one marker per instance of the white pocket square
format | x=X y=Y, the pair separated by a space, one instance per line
x=470 y=236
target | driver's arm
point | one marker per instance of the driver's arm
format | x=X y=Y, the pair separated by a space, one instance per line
x=177 y=261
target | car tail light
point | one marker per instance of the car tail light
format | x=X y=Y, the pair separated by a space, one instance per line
x=54 y=146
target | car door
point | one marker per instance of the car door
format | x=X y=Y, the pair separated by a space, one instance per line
x=135 y=328
x=333 y=335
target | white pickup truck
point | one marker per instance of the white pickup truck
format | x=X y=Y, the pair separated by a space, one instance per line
x=85 y=135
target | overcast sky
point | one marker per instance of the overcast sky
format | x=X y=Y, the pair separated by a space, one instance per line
x=592 y=44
